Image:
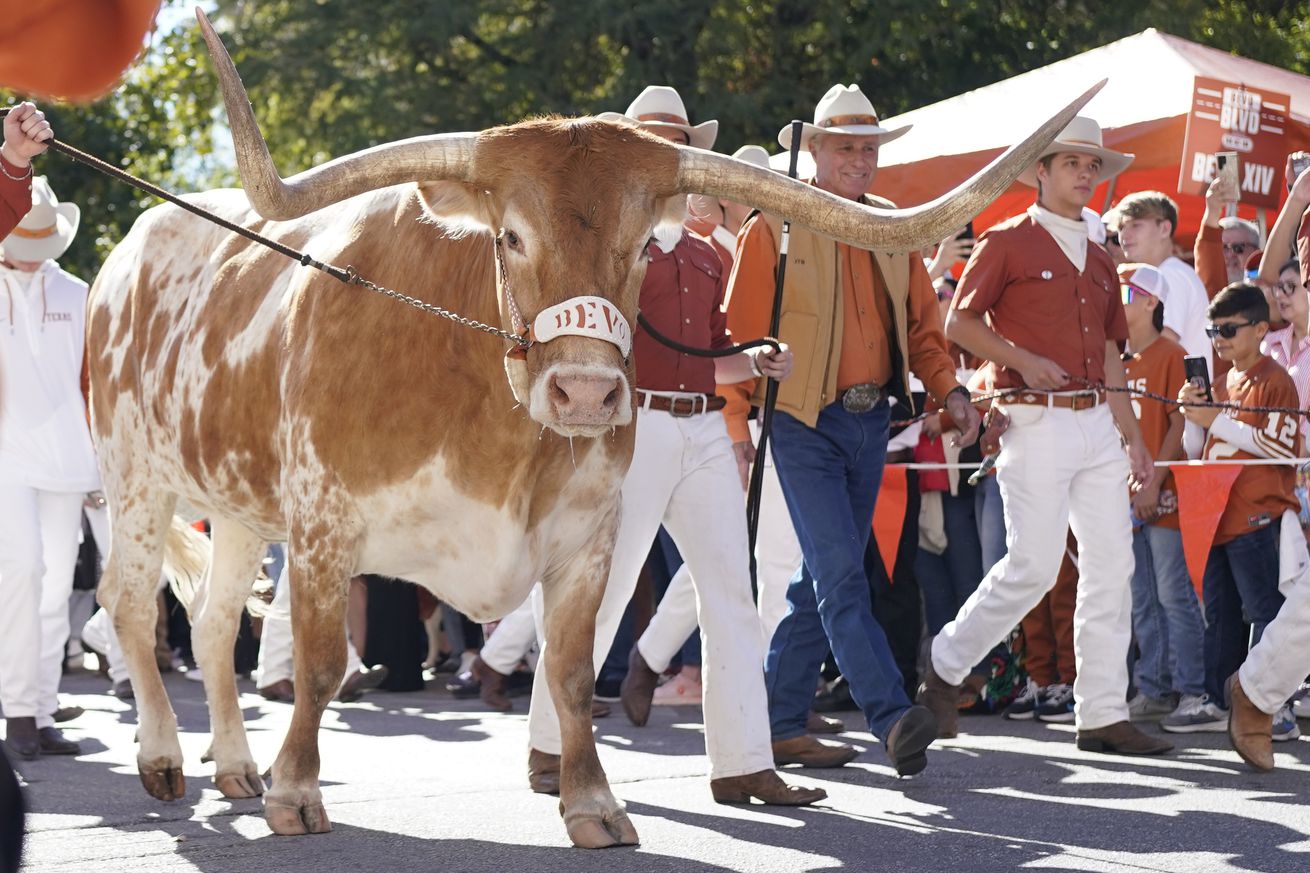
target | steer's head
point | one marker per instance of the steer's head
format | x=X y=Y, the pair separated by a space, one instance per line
x=572 y=204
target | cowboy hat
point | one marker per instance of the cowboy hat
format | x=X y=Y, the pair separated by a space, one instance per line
x=660 y=106
x=753 y=154
x=47 y=231
x=844 y=109
x=1083 y=136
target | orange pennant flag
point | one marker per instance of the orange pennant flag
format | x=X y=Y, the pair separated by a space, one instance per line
x=889 y=514
x=1202 y=496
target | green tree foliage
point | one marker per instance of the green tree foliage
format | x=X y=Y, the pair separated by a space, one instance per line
x=332 y=76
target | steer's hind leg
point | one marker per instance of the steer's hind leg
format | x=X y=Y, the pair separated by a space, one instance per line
x=572 y=593
x=319 y=572
x=216 y=620
x=140 y=523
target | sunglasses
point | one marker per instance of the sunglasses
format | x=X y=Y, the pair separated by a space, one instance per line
x=1227 y=331
x=1112 y=239
x=1238 y=248
x=1287 y=289
x=1127 y=291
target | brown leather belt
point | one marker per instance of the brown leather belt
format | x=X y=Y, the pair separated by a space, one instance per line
x=681 y=407
x=1076 y=401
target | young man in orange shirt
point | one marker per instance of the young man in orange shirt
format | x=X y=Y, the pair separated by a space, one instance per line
x=1166 y=613
x=1241 y=575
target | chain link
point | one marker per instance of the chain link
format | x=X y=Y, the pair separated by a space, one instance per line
x=353 y=277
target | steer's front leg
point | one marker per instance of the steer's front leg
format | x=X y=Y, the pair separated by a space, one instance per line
x=571 y=595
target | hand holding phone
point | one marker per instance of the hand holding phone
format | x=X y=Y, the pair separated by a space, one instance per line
x=1226 y=169
x=1297 y=163
x=1197 y=370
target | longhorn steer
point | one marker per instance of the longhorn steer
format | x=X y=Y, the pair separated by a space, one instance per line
x=375 y=438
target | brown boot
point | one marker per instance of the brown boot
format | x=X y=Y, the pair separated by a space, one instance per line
x=766 y=786
x=1121 y=738
x=638 y=688
x=1249 y=728
x=821 y=724
x=908 y=740
x=810 y=752
x=281 y=691
x=543 y=772
x=599 y=709
x=53 y=742
x=942 y=698
x=494 y=685
x=22 y=738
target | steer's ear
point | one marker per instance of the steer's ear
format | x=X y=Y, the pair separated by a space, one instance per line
x=463 y=208
x=671 y=211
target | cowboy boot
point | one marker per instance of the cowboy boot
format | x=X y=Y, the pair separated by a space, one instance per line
x=22 y=738
x=1249 y=728
x=543 y=772
x=942 y=698
x=53 y=742
x=766 y=786
x=494 y=689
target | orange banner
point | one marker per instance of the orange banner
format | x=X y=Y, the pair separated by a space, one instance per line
x=1202 y=497
x=889 y=515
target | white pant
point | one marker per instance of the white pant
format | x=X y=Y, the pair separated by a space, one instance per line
x=513 y=637
x=276 y=644
x=38 y=550
x=777 y=558
x=1058 y=469
x=683 y=474
x=82 y=603
x=98 y=633
x=1281 y=660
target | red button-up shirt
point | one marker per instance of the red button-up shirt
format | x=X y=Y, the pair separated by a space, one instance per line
x=682 y=296
x=1039 y=301
x=15 y=196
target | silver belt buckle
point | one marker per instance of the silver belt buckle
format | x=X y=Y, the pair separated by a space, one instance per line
x=861 y=398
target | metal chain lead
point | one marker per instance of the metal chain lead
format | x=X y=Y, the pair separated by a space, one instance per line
x=353 y=277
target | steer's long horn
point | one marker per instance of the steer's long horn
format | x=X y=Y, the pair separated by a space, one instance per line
x=423 y=158
x=892 y=230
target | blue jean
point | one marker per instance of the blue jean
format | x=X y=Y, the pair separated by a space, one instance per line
x=1240 y=587
x=1166 y=616
x=830 y=475
x=990 y=511
x=948 y=579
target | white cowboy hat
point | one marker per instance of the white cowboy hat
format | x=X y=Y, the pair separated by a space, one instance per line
x=844 y=109
x=660 y=106
x=753 y=154
x=1083 y=135
x=47 y=231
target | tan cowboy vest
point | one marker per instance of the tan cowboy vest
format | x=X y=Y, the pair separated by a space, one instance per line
x=811 y=322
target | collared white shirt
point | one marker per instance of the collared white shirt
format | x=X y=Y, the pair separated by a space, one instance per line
x=45 y=442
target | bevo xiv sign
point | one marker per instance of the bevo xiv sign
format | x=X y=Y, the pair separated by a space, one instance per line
x=1229 y=117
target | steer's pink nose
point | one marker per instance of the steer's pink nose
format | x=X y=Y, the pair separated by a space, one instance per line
x=584 y=398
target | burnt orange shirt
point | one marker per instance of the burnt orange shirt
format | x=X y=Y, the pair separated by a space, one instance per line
x=1038 y=300
x=15 y=196
x=1208 y=252
x=866 y=312
x=1260 y=494
x=1158 y=368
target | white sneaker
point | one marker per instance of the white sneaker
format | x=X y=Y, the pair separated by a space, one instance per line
x=1196 y=713
x=1144 y=708
x=1300 y=702
x=1285 y=727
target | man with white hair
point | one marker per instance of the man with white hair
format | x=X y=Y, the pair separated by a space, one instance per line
x=47 y=464
x=860 y=322
x=684 y=475
x=1241 y=239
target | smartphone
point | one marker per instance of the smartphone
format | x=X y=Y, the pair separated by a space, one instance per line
x=1226 y=167
x=1197 y=370
x=1300 y=164
x=967 y=233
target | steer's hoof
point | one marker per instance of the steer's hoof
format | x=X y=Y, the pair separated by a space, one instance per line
x=239 y=784
x=591 y=831
x=164 y=782
x=290 y=820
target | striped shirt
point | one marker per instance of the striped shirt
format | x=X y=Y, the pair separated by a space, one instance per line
x=1278 y=345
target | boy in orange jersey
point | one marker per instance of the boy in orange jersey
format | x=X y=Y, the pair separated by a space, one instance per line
x=1166 y=614
x=1241 y=575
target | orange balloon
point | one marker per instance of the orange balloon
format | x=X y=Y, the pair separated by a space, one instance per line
x=71 y=49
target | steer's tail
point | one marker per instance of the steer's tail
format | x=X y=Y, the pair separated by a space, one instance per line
x=187 y=554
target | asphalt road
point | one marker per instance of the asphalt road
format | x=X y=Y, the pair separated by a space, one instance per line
x=423 y=782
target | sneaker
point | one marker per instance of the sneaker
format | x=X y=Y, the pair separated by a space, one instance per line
x=1025 y=705
x=1144 y=708
x=681 y=690
x=1196 y=713
x=1056 y=704
x=1300 y=702
x=1285 y=726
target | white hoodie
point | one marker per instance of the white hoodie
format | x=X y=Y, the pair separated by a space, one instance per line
x=44 y=439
